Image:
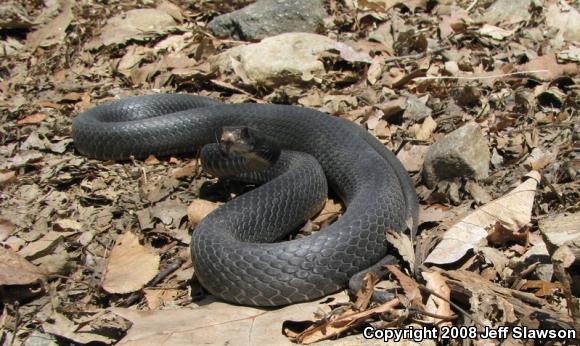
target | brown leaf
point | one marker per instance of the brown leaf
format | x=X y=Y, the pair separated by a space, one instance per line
x=59 y=325
x=546 y=68
x=32 y=119
x=54 y=31
x=7 y=177
x=340 y=324
x=130 y=266
x=138 y=24
x=364 y=295
x=199 y=209
x=513 y=210
x=410 y=286
x=15 y=270
x=402 y=242
x=436 y=283
x=499 y=235
x=542 y=288
x=6 y=228
x=205 y=324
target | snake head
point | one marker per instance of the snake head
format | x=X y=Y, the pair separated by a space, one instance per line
x=248 y=143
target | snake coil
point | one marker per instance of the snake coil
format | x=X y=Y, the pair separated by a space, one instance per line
x=231 y=250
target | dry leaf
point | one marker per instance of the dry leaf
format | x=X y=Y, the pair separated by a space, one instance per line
x=561 y=228
x=15 y=270
x=403 y=245
x=45 y=245
x=513 y=210
x=364 y=295
x=542 y=288
x=7 y=177
x=436 y=283
x=495 y=32
x=410 y=286
x=80 y=333
x=138 y=24
x=425 y=130
x=32 y=119
x=54 y=31
x=199 y=209
x=205 y=325
x=546 y=68
x=340 y=324
x=130 y=266
x=499 y=235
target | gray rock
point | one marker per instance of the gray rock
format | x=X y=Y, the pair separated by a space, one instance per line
x=266 y=18
x=510 y=11
x=462 y=153
x=282 y=59
x=539 y=253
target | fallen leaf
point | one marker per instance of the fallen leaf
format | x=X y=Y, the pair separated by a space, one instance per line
x=32 y=119
x=410 y=286
x=542 y=288
x=560 y=228
x=340 y=324
x=365 y=293
x=436 y=283
x=495 y=32
x=199 y=209
x=329 y=212
x=59 y=325
x=7 y=177
x=499 y=235
x=513 y=210
x=138 y=24
x=204 y=325
x=403 y=245
x=412 y=156
x=15 y=270
x=425 y=130
x=6 y=228
x=45 y=245
x=130 y=266
x=546 y=68
x=54 y=31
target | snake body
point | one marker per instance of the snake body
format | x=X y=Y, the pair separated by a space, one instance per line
x=232 y=253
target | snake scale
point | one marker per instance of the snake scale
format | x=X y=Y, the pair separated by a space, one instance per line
x=231 y=258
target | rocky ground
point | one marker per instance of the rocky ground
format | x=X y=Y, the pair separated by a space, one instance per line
x=479 y=100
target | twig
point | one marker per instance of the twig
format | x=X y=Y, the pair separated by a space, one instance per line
x=427 y=313
x=471 y=6
x=16 y=322
x=483 y=77
x=423 y=288
x=415 y=56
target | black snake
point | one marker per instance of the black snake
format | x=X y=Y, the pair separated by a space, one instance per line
x=229 y=255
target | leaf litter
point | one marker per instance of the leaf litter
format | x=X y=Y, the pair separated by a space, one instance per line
x=497 y=253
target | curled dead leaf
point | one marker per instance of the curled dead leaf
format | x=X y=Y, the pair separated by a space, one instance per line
x=130 y=266
x=198 y=209
x=513 y=211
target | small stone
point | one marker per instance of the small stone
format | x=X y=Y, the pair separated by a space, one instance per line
x=415 y=109
x=267 y=18
x=510 y=11
x=412 y=156
x=452 y=67
x=462 y=153
x=539 y=253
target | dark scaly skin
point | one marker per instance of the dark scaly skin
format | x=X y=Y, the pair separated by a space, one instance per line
x=373 y=184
